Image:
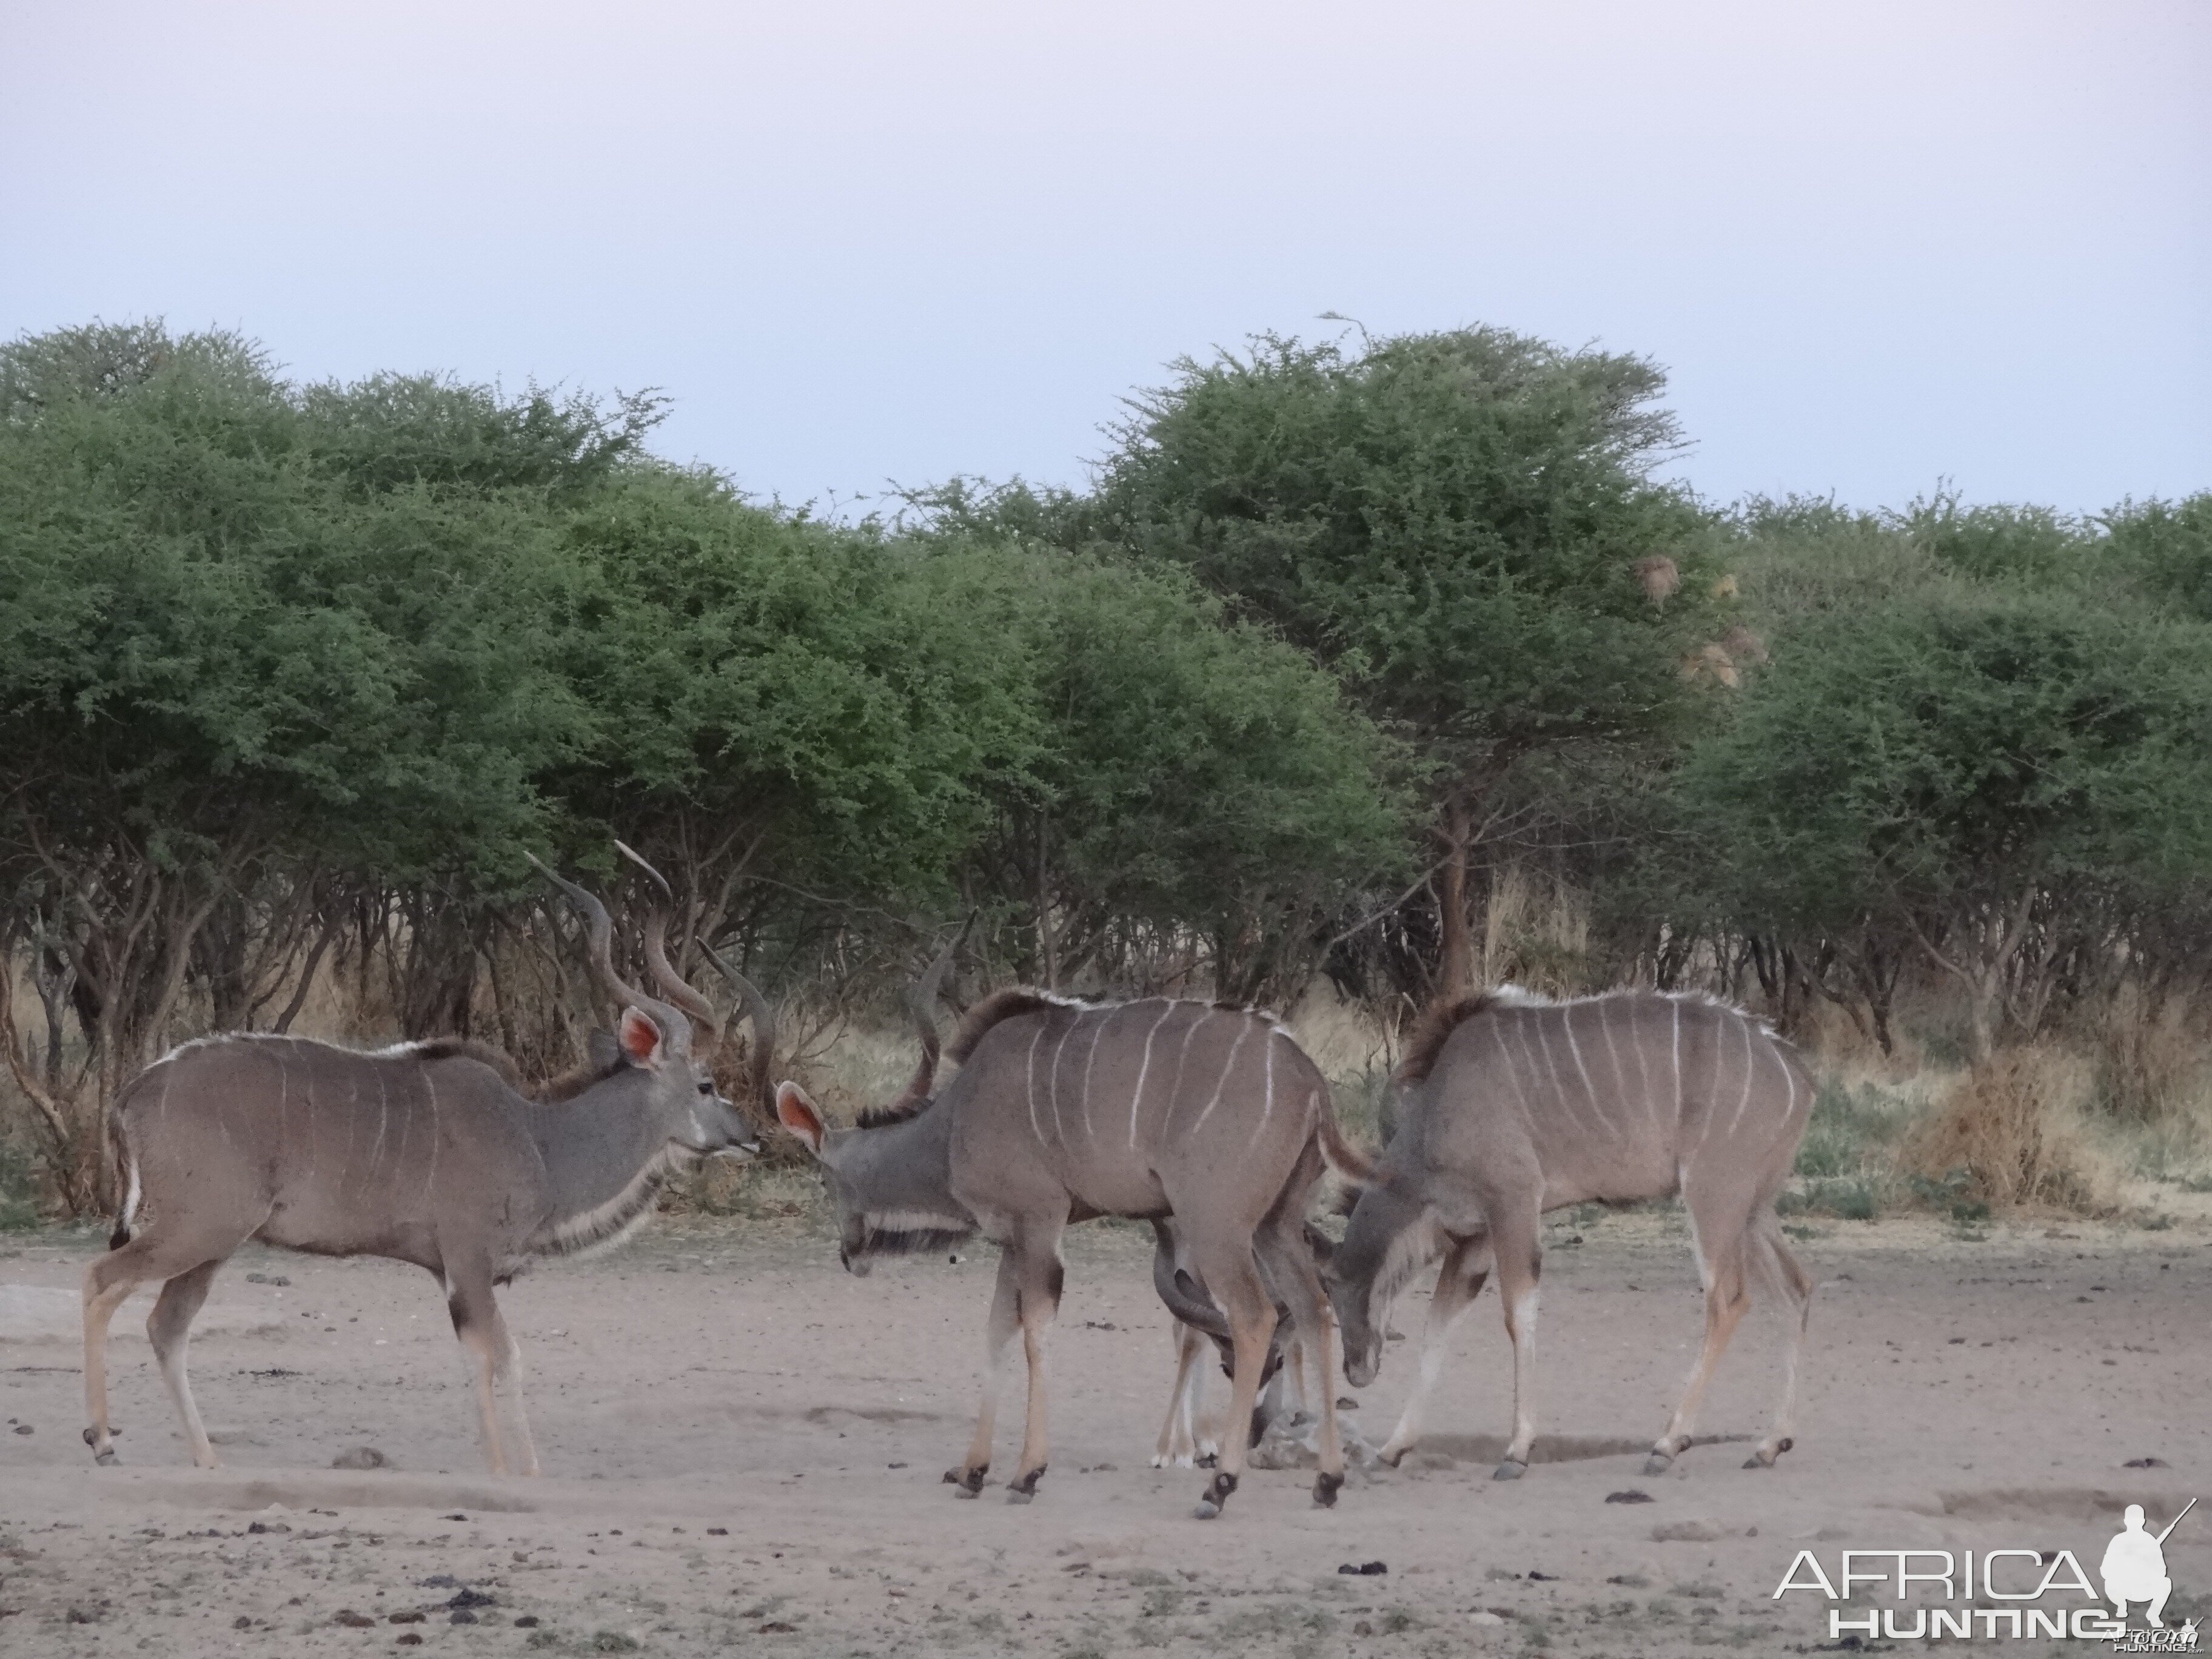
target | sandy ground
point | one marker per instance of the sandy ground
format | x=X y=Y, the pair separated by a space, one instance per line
x=744 y=1448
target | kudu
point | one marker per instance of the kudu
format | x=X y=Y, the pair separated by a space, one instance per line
x=1282 y=1385
x=426 y=1152
x=1063 y=1111
x=1517 y=1105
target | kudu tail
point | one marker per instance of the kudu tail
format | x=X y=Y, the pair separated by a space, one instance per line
x=128 y=1214
x=1347 y=1160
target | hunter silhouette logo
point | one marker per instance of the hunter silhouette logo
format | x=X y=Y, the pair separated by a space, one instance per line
x=2134 y=1567
x=2009 y=1593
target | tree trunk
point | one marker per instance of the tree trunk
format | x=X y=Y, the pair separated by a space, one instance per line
x=1455 y=969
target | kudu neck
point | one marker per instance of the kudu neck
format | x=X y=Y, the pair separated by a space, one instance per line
x=895 y=1165
x=604 y=1146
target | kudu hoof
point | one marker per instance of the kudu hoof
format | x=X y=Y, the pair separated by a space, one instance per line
x=969 y=1481
x=1510 y=1470
x=1659 y=1463
x=1765 y=1457
x=1023 y=1490
x=1216 y=1495
x=1325 y=1488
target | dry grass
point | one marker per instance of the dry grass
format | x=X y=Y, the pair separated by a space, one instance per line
x=2014 y=1133
x=1536 y=932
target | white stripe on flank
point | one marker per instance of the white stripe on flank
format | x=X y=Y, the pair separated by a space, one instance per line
x=1268 y=1100
x=1746 y=1101
x=1677 y=1006
x=1052 y=1078
x=283 y=1102
x=1643 y=1071
x=353 y=1119
x=1604 y=1028
x=1035 y=1129
x=1551 y=1066
x=430 y=1180
x=1513 y=1071
x=1106 y=1018
x=1567 y=1025
x=1182 y=1058
x=1713 y=1084
x=1788 y=1077
x=406 y=1125
x=1222 y=1082
x=1137 y=1099
x=1521 y=1032
x=383 y=1111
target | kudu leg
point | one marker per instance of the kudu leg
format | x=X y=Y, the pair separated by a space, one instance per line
x=477 y=1323
x=998 y=1353
x=108 y=1283
x=511 y=1368
x=1780 y=1270
x=1041 y=1278
x=1721 y=1259
x=1233 y=1279
x=1458 y=1283
x=169 y=1328
x=1514 y=1235
x=1178 y=1442
x=1291 y=1271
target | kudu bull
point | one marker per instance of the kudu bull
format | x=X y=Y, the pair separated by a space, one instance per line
x=1517 y=1105
x=1063 y=1111
x=426 y=1152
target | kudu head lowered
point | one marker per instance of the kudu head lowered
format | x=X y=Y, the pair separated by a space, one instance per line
x=864 y=1230
x=664 y=1051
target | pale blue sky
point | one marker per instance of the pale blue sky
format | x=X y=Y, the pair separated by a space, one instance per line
x=1873 y=244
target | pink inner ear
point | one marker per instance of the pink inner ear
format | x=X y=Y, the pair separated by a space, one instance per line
x=640 y=1038
x=796 y=1113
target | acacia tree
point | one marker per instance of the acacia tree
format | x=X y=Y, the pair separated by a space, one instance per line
x=1197 y=780
x=1987 y=771
x=1454 y=522
x=229 y=676
x=804 y=726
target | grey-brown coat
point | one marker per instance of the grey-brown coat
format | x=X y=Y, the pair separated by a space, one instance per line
x=1066 y=1110
x=425 y=1153
x=1516 y=1105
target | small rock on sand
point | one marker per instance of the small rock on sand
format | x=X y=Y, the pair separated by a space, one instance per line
x=1484 y=1617
x=361 y=1457
x=1686 y=1532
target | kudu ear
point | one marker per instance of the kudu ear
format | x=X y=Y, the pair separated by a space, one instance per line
x=641 y=1038
x=796 y=1113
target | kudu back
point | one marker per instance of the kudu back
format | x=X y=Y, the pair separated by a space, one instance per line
x=1514 y=1105
x=1066 y=1110
x=425 y=1153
